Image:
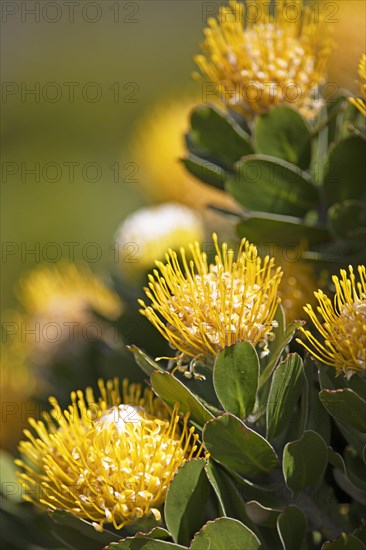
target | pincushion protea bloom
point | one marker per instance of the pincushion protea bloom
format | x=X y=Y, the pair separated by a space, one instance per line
x=257 y=60
x=59 y=305
x=108 y=460
x=203 y=308
x=343 y=324
x=360 y=102
x=67 y=288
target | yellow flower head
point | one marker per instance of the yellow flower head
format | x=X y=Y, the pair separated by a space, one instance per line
x=65 y=288
x=107 y=460
x=256 y=59
x=360 y=102
x=146 y=235
x=200 y=309
x=59 y=303
x=343 y=324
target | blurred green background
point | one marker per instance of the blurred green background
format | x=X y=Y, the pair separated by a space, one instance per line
x=143 y=50
x=78 y=56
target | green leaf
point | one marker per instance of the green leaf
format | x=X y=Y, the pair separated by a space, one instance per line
x=304 y=461
x=171 y=390
x=317 y=418
x=292 y=527
x=355 y=468
x=267 y=184
x=231 y=502
x=216 y=138
x=347 y=220
x=232 y=443
x=9 y=487
x=78 y=533
x=185 y=501
x=146 y=363
x=225 y=534
x=345 y=479
x=235 y=378
x=283 y=133
x=286 y=384
x=346 y=406
x=266 y=495
x=357 y=383
x=344 y=542
x=261 y=515
x=268 y=230
x=146 y=541
x=139 y=542
x=281 y=342
x=345 y=171
x=205 y=171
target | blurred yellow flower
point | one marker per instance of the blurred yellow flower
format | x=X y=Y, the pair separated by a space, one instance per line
x=146 y=235
x=297 y=287
x=343 y=324
x=360 y=102
x=157 y=146
x=203 y=308
x=59 y=303
x=108 y=460
x=349 y=46
x=254 y=59
x=17 y=385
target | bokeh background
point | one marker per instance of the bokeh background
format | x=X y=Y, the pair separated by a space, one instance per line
x=133 y=54
x=97 y=68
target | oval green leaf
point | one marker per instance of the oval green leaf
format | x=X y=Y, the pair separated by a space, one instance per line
x=235 y=378
x=205 y=171
x=225 y=534
x=144 y=361
x=346 y=406
x=186 y=500
x=267 y=184
x=281 y=342
x=347 y=221
x=231 y=501
x=345 y=171
x=269 y=230
x=217 y=138
x=304 y=461
x=286 y=384
x=232 y=443
x=77 y=533
x=283 y=133
x=171 y=390
x=292 y=527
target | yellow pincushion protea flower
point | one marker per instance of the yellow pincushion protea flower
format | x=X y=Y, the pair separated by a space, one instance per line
x=257 y=60
x=59 y=304
x=343 y=324
x=66 y=288
x=203 y=308
x=360 y=102
x=108 y=460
